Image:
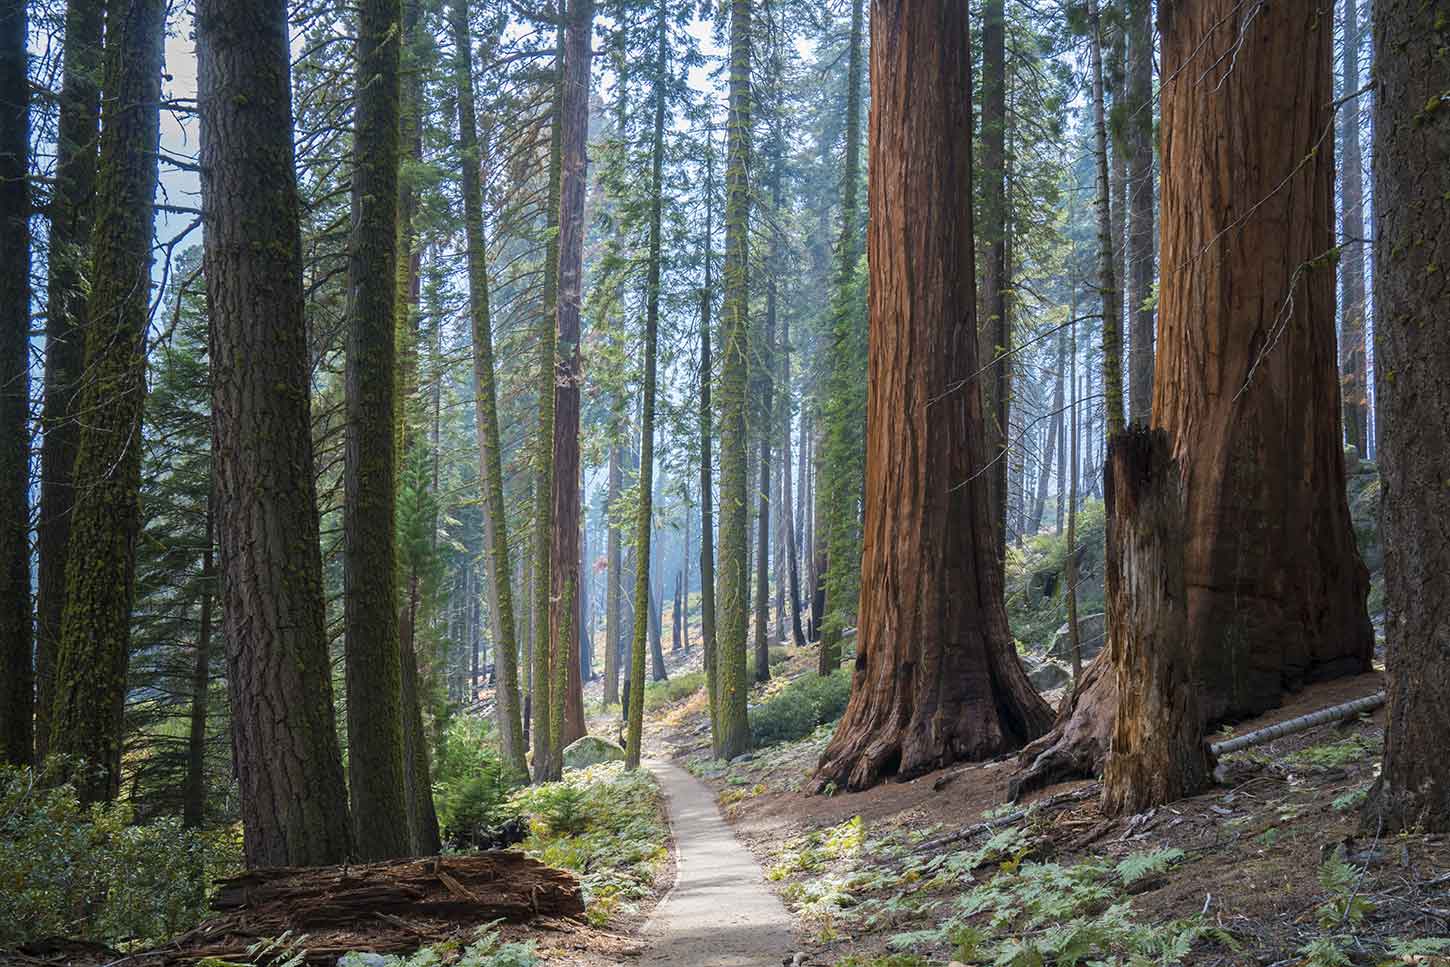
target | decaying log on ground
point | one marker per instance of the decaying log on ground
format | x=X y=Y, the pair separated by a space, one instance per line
x=389 y=907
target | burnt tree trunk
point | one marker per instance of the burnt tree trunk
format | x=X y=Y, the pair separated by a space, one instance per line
x=1412 y=193
x=1157 y=754
x=936 y=678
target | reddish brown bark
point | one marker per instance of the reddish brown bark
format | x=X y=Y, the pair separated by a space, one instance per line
x=936 y=677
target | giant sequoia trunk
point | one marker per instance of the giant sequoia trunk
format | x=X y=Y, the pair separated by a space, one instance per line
x=95 y=636
x=936 y=676
x=564 y=544
x=69 y=237
x=1244 y=381
x=279 y=680
x=374 y=670
x=1412 y=250
x=16 y=703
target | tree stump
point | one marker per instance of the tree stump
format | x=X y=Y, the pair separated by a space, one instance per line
x=1157 y=754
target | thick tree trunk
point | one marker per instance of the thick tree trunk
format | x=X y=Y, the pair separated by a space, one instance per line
x=1412 y=249
x=564 y=544
x=95 y=637
x=496 y=556
x=732 y=725
x=1245 y=380
x=1142 y=271
x=71 y=203
x=1158 y=754
x=1353 y=383
x=937 y=678
x=284 y=738
x=17 y=701
x=376 y=778
x=645 y=511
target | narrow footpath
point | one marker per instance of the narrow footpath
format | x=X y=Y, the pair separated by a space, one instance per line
x=720 y=912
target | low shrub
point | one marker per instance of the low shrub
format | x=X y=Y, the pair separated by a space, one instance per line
x=659 y=694
x=604 y=824
x=470 y=789
x=800 y=708
x=88 y=873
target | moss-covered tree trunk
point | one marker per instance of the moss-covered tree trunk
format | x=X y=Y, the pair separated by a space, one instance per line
x=1142 y=269
x=936 y=678
x=707 y=442
x=279 y=675
x=496 y=557
x=1412 y=371
x=71 y=203
x=564 y=541
x=841 y=484
x=732 y=686
x=17 y=701
x=376 y=776
x=645 y=511
x=95 y=637
x=543 y=456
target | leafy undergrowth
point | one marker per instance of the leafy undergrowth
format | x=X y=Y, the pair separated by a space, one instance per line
x=604 y=824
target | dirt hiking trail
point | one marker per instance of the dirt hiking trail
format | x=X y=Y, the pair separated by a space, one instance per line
x=720 y=912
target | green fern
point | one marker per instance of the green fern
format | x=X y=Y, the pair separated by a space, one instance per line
x=1140 y=865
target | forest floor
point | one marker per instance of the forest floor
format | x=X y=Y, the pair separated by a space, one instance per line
x=1268 y=868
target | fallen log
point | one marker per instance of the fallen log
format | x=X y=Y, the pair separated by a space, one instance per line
x=389 y=907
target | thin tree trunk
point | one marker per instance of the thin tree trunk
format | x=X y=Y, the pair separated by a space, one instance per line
x=613 y=586
x=498 y=566
x=193 y=799
x=1069 y=576
x=1412 y=369
x=936 y=677
x=1054 y=430
x=732 y=725
x=69 y=231
x=17 y=739
x=544 y=442
x=1108 y=290
x=789 y=530
x=284 y=739
x=1142 y=271
x=95 y=638
x=645 y=520
x=1353 y=383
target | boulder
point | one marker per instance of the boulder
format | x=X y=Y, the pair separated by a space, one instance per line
x=1092 y=632
x=590 y=751
x=1049 y=675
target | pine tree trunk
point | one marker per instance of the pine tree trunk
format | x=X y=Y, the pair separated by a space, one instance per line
x=842 y=475
x=279 y=680
x=1353 y=383
x=71 y=200
x=17 y=701
x=707 y=503
x=1054 y=430
x=1412 y=369
x=90 y=683
x=543 y=457
x=496 y=557
x=645 y=520
x=1158 y=754
x=376 y=777
x=564 y=542
x=193 y=799
x=613 y=586
x=733 y=728
x=937 y=678
x=788 y=529
x=1112 y=298
x=994 y=323
x=1142 y=272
